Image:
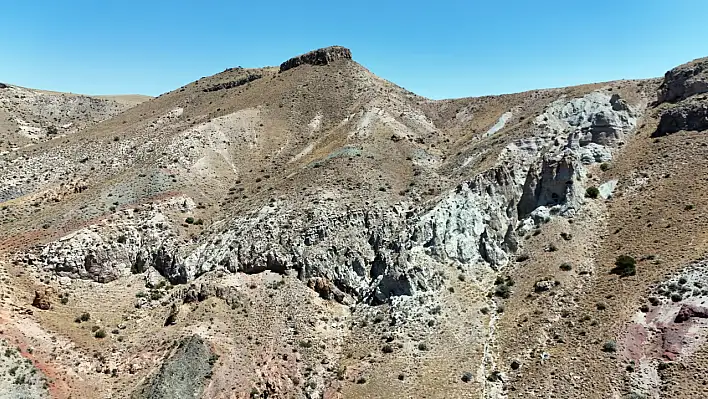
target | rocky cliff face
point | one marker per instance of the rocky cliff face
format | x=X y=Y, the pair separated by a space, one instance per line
x=321 y=56
x=683 y=93
x=684 y=81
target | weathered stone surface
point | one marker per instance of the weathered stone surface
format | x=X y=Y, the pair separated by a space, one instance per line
x=552 y=185
x=688 y=312
x=183 y=374
x=235 y=83
x=321 y=56
x=597 y=117
x=41 y=299
x=684 y=81
x=689 y=115
x=374 y=254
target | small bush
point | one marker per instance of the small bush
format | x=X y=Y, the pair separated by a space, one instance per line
x=100 y=334
x=189 y=220
x=625 y=265
x=605 y=166
x=85 y=317
x=610 y=346
x=387 y=349
x=592 y=192
x=502 y=291
x=522 y=258
x=566 y=267
x=122 y=239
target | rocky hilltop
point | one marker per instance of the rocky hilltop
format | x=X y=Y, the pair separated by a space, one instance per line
x=326 y=233
x=321 y=56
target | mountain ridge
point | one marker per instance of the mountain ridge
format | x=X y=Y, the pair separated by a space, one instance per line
x=319 y=231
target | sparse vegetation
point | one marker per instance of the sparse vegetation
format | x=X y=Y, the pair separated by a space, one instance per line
x=101 y=333
x=610 y=346
x=625 y=266
x=189 y=220
x=566 y=267
x=592 y=192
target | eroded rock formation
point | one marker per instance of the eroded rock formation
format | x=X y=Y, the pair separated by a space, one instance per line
x=321 y=56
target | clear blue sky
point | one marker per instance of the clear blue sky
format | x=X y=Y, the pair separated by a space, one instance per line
x=438 y=49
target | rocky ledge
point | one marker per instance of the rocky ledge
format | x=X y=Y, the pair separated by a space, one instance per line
x=684 y=81
x=321 y=56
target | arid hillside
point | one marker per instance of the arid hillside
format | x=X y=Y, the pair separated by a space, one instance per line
x=314 y=231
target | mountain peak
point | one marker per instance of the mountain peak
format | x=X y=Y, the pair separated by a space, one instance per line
x=322 y=56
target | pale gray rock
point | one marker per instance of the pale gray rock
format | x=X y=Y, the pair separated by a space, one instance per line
x=607 y=188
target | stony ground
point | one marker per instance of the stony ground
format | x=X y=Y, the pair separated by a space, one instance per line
x=315 y=231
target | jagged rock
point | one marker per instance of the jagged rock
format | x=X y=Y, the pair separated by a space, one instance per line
x=597 y=118
x=325 y=289
x=554 y=184
x=544 y=285
x=690 y=115
x=172 y=316
x=688 y=312
x=321 y=56
x=684 y=81
x=41 y=299
x=3 y=86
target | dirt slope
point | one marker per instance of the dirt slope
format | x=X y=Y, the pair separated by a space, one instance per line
x=322 y=232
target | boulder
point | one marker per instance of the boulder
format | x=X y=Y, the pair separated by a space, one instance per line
x=684 y=81
x=3 y=86
x=325 y=289
x=691 y=311
x=321 y=56
x=41 y=299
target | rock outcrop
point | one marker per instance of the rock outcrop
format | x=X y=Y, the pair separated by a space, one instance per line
x=3 y=86
x=235 y=83
x=684 y=81
x=681 y=90
x=321 y=56
x=688 y=312
x=41 y=299
x=183 y=374
x=689 y=115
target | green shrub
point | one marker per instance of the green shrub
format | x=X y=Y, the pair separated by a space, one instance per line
x=605 y=166
x=566 y=267
x=189 y=220
x=122 y=239
x=85 y=317
x=592 y=192
x=100 y=333
x=625 y=265
x=610 y=346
